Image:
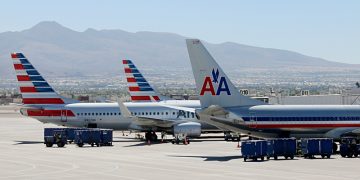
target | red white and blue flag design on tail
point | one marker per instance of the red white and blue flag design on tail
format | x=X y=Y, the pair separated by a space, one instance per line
x=33 y=87
x=139 y=89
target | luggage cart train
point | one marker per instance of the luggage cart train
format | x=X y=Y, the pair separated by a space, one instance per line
x=305 y=147
x=78 y=136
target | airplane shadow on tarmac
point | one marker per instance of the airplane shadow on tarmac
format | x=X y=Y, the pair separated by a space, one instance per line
x=28 y=142
x=143 y=143
x=213 y=158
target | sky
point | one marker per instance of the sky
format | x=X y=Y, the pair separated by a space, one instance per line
x=328 y=29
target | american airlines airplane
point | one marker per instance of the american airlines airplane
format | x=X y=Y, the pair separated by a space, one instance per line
x=224 y=106
x=41 y=102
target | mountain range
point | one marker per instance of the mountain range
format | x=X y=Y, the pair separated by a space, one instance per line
x=60 y=51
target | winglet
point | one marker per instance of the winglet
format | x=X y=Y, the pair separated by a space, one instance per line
x=124 y=110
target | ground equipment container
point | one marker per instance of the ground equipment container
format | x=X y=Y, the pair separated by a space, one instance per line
x=316 y=146
x=71 y=133
x=106 y=136
x=281 y=147
x=254 y=149
x=87 y=136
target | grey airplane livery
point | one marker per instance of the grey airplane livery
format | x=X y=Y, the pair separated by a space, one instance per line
x=222 y=105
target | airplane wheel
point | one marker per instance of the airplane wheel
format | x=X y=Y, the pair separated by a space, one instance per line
x=60 y=144
x=80 y=144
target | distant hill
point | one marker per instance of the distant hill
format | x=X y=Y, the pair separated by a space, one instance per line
x=59 y=51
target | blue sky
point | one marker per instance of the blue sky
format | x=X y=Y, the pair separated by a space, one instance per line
x=323 y=28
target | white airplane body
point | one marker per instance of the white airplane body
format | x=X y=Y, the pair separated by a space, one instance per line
x=225 y=107
x=41 y=102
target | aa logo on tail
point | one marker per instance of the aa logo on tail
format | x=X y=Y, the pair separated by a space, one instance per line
x=208 y=85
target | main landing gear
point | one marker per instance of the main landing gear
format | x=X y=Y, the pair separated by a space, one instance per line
x=151 y=136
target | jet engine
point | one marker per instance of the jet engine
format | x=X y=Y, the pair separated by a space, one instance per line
x=190 y=129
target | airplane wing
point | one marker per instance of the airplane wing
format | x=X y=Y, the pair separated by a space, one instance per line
x=142 y=121
x=221 y=118
x=338 y=132
x=146 y=121
x=187 y=109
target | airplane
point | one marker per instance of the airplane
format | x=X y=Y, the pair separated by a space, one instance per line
x=222 y=105
x=142 y=92
x=40 y=101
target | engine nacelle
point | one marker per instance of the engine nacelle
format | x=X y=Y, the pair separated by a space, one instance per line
x=190 y=129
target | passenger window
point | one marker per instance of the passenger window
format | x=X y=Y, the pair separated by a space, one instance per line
x=158 y=113
x=96 y=114
x=78 y=114
x=162 y=113
x=167 y=113
x=146 y=113
x=135 y=113
x=93 y=114
x=110 y=114
x=142 y=113
x=174 y=113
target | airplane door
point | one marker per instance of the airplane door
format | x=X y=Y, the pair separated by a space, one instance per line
x=63 y=115
x=253 y=121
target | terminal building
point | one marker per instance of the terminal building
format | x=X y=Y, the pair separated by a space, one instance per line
x=347 y=97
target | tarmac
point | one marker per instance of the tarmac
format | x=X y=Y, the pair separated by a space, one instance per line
x=24 y=156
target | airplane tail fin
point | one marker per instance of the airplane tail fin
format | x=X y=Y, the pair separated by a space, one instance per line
x=33 y=87
x=213 y=86
x=139 y=89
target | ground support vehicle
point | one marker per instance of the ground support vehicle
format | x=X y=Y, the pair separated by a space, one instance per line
x=56 y=136
x=281 y=147
x=349 y=147
x=316 y=146
x=88 y=136
x=254 y=149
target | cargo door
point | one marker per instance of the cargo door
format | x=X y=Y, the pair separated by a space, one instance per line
x=63 y=115
x=253 y=122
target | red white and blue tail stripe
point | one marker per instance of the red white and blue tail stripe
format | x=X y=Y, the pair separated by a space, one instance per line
x=33 y=87
x=139 y=89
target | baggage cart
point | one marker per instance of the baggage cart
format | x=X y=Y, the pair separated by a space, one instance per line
x=281 y=147
x=316 y=146
x=106 y=137
x=254 y=149
x=87 y=136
